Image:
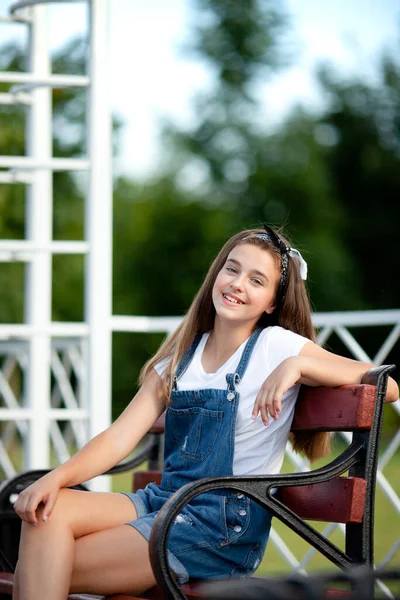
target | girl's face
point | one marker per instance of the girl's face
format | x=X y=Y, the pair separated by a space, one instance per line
x=247 y=285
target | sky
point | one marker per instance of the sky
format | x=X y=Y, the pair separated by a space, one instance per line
x=152 y=78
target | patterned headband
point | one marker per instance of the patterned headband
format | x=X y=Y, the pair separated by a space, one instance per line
x=285 y=251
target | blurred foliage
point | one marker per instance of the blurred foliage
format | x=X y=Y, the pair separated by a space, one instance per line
x=361 y=142
x=333 y=179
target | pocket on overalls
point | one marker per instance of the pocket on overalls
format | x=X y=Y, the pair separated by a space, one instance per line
x=195 y=430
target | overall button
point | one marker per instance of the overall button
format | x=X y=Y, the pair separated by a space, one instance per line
x=240 y=496
x=242 y=512
x=231 y=396
x=237 y=528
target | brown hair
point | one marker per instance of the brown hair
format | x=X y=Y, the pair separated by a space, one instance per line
x=293 y=314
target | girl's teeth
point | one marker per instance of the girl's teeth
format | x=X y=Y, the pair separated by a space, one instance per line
x=231 y=299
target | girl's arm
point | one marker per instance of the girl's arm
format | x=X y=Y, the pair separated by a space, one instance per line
x=320 y=367
x=313 y=366
x=97 y=456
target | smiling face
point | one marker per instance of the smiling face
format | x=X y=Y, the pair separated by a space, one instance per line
x=246 y=285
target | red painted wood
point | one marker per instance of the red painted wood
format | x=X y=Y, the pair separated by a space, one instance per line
x=117 y=597
x=6 y=583
x=340 y=500
x=91 y=597
x=142 y=478
x=191 y=591
x=156 y=593
x=159 y=425
x=347 y=408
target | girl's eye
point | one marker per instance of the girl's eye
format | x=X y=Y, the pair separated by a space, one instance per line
x=231 y=270
x=257 y=281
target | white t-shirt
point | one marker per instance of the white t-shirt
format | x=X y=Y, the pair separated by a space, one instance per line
x=259 y=449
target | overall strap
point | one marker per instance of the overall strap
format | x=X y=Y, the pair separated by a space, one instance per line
x=247 y=352
x=233 y=379
x=186 y=358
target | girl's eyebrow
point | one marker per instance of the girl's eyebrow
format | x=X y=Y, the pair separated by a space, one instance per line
x=255 y=271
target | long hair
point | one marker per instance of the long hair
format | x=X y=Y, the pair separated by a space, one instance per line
x=293 y=314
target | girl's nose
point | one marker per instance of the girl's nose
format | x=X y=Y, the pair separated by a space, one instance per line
x=237 y=283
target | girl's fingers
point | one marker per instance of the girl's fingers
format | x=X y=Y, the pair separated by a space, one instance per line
x=256 y=407
x=271 y=410
x=264 y=414
x=270 y=403
x=276 y=406
x=26 y=509
x=48 y=506
x=260 y=407
x=267 y=404
x=30 y=512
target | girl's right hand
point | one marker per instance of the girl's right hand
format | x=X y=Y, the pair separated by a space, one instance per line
x=42 y=495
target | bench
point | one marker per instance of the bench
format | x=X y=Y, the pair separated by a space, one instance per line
x=323 y=494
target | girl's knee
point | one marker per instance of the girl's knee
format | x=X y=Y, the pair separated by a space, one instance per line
x=64 y=509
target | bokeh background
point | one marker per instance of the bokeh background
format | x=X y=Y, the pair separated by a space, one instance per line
x=226 y=114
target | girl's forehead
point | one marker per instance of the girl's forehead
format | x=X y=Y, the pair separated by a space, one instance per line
x=250 y=253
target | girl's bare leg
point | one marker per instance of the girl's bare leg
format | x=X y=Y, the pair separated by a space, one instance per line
x=47 y=551
x=16 y=585
x=112 y=561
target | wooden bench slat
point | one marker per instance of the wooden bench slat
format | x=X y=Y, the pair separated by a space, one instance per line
x=159 y=425
x=340 y=500
x=6 y=583
x=192 y=591
x=348 y=408
x=330 y=593
x=142 y=478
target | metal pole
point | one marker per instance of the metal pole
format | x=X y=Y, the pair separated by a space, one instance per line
x=98 y=222
x=39 y=231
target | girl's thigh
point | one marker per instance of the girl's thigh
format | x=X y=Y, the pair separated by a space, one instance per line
x=88 y=512
x=112 y=561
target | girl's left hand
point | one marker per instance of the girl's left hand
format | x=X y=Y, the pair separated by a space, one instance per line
x=268 y=400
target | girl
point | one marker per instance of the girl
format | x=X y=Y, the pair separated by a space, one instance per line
x=230 y=376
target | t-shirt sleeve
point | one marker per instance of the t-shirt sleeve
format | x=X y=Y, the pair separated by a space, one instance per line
x=161 y=366
x=282 y=343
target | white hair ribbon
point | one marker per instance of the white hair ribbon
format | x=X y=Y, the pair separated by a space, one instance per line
x=303 y=265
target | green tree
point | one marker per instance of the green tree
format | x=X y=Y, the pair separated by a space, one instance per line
x=364 y=164
x=282 y=177
x=163 y=245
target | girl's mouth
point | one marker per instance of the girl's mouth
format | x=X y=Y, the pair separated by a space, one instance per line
x=231 y=299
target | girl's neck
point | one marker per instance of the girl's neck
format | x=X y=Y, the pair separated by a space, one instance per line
x=222 y=342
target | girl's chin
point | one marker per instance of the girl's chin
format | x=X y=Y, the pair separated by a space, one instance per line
x=234 y=317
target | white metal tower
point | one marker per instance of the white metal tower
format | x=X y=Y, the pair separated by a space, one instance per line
x=37 y=340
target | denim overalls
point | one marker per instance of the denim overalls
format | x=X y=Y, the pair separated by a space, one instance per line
x=219 y=534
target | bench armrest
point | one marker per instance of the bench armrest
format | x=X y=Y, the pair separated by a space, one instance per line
x=258 y=487
x=262 y=489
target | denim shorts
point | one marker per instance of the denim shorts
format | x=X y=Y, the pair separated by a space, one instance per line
x=215 y=536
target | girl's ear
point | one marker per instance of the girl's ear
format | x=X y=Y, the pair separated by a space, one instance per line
x=270 y=309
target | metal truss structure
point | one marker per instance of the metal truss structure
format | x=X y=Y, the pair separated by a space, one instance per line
x=55 y=378
x=36 y=343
